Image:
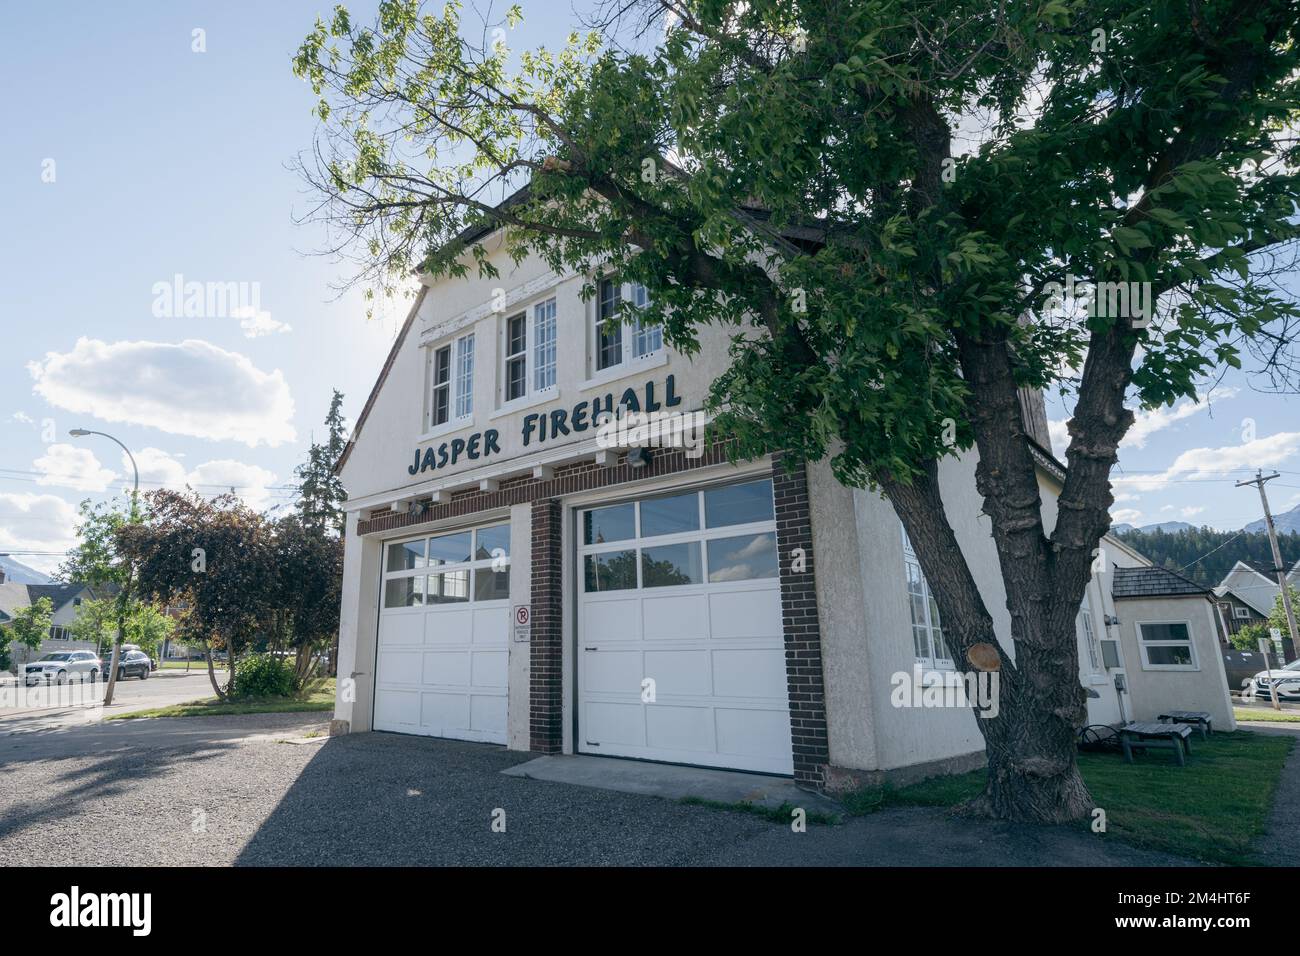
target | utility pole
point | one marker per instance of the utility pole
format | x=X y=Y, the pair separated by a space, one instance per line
x=1259 y=480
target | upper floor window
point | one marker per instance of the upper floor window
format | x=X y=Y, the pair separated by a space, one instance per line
x=465 y=377
x=1241 y=613
x=451 y=387
x=648 y=338
x=544 y=345
x=634 y=339
x=530 y=351
x=516 y=356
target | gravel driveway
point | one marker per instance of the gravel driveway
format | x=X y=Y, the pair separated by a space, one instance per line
x=255 y=790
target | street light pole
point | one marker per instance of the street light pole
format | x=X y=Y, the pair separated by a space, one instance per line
x=116 y=657
x=1259 y=479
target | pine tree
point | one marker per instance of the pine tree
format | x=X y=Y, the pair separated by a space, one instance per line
x=320 y=491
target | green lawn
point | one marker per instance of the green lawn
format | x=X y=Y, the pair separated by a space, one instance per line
x=1269 y=716
x=200 y=667
x=1213 y=809
x=319 y=697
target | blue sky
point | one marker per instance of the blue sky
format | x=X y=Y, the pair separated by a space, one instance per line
x=168 y=162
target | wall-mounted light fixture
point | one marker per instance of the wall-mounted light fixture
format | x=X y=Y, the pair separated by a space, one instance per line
x=639 y=457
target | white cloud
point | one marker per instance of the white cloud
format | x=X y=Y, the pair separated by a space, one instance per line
x=1148 y=422
x=257 y=323
x=191 y=388
x=248 y=481
x=1060 y=437
x=1125 y=516
x=31 y=522
x=1190 y=512
x=67 y=466
x=211 y=478
x=21 y=418
x=1201 y=463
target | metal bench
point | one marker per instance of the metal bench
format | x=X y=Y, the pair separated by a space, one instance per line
x=1199 y=719
x=1139 y=736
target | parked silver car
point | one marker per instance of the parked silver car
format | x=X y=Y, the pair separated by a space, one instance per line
x=1260 y=687
x=62 y=667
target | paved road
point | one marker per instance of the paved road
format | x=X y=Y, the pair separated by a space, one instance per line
x=45 y=708
x=257 y=790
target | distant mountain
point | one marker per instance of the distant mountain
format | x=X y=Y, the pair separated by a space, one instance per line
x=1287 y=521
x=1206 y=555
x=1169 y=527
x=19 y=573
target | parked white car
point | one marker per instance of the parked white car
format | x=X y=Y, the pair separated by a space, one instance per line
x=1287 y=678
x=63 y=667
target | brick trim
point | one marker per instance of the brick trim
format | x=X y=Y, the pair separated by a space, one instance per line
x=546 y=647
x=801 y=625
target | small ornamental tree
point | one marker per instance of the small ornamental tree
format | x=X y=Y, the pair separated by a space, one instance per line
x=895 y=209
x=98 y=561
x=31 y=625
x=215 y=558
x=308 y=557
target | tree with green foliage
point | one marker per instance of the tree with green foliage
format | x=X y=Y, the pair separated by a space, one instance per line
x=1206 y=555
x=320 y=490
x=95 y=622
x=888 y=205
x=30 y=626
x=213 y=557
x=98 y=561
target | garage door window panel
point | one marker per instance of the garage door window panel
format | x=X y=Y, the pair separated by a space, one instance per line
x=449 y=549
x=404 y=592
x=610 y=571
x=671 y=565
x=743 y=558
x=493 y=542
x=405 y=555
x=746 y=503
x=674 y=515
x=450 y=587
x=603 y=525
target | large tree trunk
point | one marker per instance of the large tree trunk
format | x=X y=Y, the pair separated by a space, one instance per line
x=1030 y=743
x=114 y=659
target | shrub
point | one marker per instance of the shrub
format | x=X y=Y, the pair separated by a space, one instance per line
x=1247 y=639
x=264 y=675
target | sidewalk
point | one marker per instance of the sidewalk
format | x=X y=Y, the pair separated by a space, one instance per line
x=1275 y=848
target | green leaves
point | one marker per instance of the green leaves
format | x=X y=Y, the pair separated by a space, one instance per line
x=820 y=143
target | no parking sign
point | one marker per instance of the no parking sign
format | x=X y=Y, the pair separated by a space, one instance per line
x=522 y=616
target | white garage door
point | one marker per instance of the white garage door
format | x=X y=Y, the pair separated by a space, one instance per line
x=680 y=650
x=443 y=635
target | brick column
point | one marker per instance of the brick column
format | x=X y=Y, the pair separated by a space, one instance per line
x=546 y=651
x=800 y=623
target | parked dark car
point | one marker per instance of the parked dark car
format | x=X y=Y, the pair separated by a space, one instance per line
x=133 y=664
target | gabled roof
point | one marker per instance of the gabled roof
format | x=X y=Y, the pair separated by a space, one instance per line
x=59 y=594
x=485 y=226
x=1154 y=582
x=1254 y=585
x=14 y=596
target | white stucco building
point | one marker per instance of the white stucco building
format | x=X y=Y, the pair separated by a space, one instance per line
x=509 y=580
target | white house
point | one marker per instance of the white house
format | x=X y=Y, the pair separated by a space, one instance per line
x=1247 y=595
x=65 y=599
x=509 y=580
